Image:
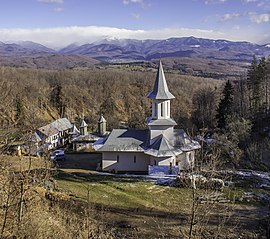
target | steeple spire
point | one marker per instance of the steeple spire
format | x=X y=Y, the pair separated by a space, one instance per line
x=161 y=123
x=160 y=91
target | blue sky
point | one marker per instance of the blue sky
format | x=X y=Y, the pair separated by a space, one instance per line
x=57 y=23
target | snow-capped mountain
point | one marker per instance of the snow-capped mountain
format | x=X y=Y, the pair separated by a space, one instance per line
x=130 y=49
x=126 y=50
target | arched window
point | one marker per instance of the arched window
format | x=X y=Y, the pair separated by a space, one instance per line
x=161 y=109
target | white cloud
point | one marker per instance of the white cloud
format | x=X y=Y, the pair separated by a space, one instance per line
x=250 y=13
x=230 y=16
x=249 y=1
x=58 y=9
x=132 y=1
x=259 y=18
x=214 y=1
x=264 y=4
x=52 y=1
x=63 y=36
x=136 y=15
x=236 y=27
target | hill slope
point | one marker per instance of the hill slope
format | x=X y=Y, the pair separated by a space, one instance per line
x=184 y=53
x=34 y=55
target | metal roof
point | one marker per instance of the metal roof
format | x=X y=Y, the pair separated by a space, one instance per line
x=167 y=122
x=125 y=140
x=160 y=91
x=74 y=130
x=102 y=119
x=161 y=147
x=83 y=124
x=184 y=142
x=55 y=127
x=62 y=124
x=85 y=138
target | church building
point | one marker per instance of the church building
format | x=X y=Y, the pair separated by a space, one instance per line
x=129 y=150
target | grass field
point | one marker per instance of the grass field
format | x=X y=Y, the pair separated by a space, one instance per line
x=135 y=207
x=138 y=208
x=123 y=191
x=141 y=209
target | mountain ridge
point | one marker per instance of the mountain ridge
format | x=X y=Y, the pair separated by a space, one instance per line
x=131 y=49
x=128 y=50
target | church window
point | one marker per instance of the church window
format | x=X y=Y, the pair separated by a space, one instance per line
x=161 y=109
x=135 y=158
x=117 y=158
x=156 y=108
x=168 y=113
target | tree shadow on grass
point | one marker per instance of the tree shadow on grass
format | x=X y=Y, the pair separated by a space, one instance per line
x=98 y=178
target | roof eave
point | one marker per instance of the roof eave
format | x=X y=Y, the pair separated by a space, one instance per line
x=152 y=123
x=159 y=154
x=157 y=96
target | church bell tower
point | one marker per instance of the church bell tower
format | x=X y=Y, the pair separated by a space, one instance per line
x=160 y=121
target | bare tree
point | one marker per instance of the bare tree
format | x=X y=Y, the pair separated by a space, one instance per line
x=208 y=204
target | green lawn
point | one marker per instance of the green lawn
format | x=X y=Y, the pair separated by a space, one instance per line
x=152 y=211
x=122 y=191
x=138 y=208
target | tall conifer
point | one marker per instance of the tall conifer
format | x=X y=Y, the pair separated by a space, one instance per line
x=225 y=105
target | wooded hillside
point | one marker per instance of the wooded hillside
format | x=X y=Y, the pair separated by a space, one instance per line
x=31 y=97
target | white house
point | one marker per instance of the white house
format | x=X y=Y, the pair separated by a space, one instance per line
x=55 y=134
x=161 y=145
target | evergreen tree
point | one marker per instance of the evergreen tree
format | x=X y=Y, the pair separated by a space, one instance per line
x=57 y=99
x=225 y=105
x=256 y=85
x=20 y=116
x=262 y=74
x=267 y=88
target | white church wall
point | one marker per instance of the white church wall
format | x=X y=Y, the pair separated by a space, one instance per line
x=125 y=161
x=154 y=110
x=162 y=161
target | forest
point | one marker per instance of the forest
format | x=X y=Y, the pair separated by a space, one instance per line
x=236 y=110
x=232 y=114
x=31 y=96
